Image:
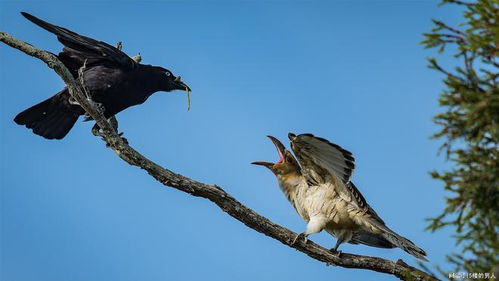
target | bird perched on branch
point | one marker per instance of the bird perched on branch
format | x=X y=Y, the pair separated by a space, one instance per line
x=319 y=188
x=111 y=78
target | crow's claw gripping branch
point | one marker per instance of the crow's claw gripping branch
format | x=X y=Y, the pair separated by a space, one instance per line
x=97 y=131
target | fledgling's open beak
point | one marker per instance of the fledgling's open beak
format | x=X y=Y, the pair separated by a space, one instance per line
x=263 y=163
x=280 y=149
x=179 y=85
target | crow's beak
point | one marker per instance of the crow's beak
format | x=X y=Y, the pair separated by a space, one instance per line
x=179 y=85
x=280 y=149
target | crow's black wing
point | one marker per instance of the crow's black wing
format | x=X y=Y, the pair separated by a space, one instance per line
x=79 y=48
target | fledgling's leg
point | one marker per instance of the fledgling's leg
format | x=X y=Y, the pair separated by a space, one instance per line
x=315 y=225
x=342 y=237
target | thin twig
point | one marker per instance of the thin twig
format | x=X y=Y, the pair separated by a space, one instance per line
x=468 y=4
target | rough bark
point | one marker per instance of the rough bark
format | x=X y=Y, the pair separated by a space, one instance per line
x=212 y=192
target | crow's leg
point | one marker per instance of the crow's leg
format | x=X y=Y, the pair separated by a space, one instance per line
x=114 y=123
x=81 y=78
x=97 y=131
x=98 y=106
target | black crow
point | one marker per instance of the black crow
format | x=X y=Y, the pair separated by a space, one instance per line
x=111 y=78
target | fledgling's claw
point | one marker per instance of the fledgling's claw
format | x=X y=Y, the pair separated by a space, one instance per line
x=335 y=252
x=305 y=239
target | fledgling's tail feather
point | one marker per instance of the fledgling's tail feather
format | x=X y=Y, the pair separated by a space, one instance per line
x=398 y=241
x=53 y=118
x=371 y=239
x=404 y=244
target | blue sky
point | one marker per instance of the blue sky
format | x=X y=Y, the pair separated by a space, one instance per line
x=349 y=71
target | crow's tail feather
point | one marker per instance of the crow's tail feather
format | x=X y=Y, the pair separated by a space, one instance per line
x=53 y=118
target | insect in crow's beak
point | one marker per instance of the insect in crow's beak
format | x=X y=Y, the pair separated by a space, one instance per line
x=181 y=85
x=280 y=150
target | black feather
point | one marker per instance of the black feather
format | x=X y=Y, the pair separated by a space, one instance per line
x=111 y=78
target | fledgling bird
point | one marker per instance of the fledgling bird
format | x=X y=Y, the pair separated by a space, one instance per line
x=111 y=78
x=319 y=188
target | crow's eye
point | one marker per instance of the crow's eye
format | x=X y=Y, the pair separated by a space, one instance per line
x=168 y=73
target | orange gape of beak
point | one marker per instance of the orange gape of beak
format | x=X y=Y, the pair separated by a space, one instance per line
x=280 y=150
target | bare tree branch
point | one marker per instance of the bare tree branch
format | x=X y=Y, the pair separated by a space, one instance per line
x=212 y=192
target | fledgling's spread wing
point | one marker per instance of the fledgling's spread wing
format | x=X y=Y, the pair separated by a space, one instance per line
x=323 y=161
x=79 y=48
x=322 y=156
